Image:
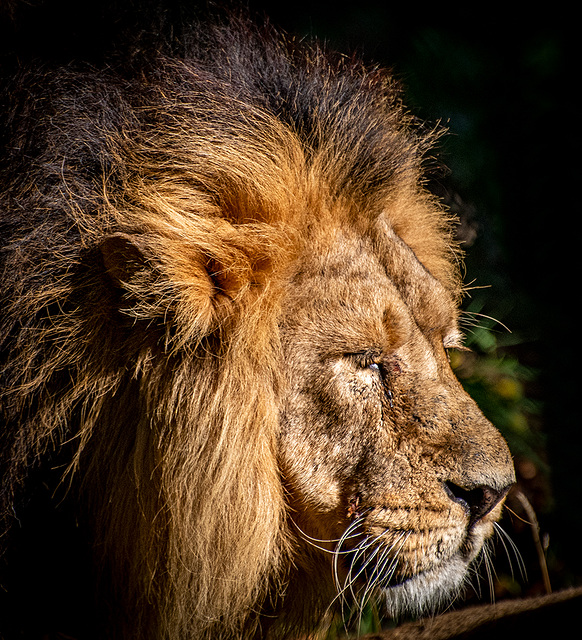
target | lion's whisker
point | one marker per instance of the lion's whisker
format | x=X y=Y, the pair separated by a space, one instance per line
x=356 y=552
x=330 y=551
x=489 y=570
x=474 y=574
x=471 y=319
x=510 y=546
x=383 y=556
x=375 y=580
x=346 y=536
x=388 y=558
x=313 y=541
x=342 y=589
x=362 y=570
x=309 y=538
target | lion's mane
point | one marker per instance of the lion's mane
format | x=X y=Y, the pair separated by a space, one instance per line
x=150 y=212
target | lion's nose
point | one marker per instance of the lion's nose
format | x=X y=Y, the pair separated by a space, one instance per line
x=479 y=501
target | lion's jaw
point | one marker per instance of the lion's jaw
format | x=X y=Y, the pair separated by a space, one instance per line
x=393 y=473
x=436 y=587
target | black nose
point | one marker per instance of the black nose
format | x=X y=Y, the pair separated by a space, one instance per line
x=478 y=501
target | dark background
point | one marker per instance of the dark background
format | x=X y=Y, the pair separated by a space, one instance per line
x=505 y=83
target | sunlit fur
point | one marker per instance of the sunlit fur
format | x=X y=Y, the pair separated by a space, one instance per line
x=151 y=213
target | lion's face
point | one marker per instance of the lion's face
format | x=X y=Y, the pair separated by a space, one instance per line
x=387 y=460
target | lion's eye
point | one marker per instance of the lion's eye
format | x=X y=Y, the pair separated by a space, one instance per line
x=367 y=360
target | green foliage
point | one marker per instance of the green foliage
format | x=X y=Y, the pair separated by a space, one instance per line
x=355 y=623
x=498 y=382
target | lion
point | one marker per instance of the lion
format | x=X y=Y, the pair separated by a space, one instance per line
x=228 y=302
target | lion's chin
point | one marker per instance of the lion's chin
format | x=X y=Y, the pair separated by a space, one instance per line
x=428 y=591
x=435 y=588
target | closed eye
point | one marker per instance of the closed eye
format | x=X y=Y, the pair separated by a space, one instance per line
x=367 y=360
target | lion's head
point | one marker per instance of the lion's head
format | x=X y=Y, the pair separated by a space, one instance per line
x=225 y=388
x=394 y=476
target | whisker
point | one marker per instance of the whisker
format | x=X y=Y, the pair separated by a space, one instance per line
x=370 y=559
x=312 y=539
x=503 y=537
x=350 y=579
x=470 y=318
x=342 y=590
x=383 y=560
x=489 y=570
x=357 y=552
x=377 y=549
x=348 y=534
x=381 y=575
x=363 y=601
x=332 y=552
x=474 y=573
x=381 y=557
x=360 y=603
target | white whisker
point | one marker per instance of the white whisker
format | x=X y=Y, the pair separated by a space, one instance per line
x=472 y=319
x=503 y=537
x=323 y=540
x=489 y=570
x=369 y=560
x=381 y=576
x=349 y=533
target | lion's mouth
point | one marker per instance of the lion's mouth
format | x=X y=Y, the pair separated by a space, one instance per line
x=374 y=562
x=402 y=593
x=410 y=579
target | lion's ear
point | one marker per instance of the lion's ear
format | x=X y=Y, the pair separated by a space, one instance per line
x=165 y=278
x=123 y=256
x=165 y=285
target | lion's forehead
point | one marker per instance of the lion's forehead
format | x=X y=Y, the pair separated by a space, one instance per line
x=365 y=295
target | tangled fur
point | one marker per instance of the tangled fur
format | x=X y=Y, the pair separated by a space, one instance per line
x=156 y=212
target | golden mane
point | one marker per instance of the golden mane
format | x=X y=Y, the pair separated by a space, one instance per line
x=142 y=286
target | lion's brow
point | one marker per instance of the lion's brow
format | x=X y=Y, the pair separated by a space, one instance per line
x=429 y=302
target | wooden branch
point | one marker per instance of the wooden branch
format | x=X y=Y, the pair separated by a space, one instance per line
x=537 y=618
